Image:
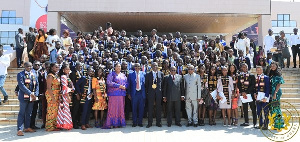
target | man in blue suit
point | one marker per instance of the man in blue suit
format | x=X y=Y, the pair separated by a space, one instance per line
x=262 y=87
x=136 y=89
x=28 y=91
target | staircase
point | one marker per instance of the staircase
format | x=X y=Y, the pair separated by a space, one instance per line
x=9 y=110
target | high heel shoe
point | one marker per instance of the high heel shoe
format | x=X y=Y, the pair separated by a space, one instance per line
x=97 y=124
x=214 y=121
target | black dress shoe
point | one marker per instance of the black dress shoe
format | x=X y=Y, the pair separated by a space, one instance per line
x=141 y=125
x=5 y=99
x=43 y=126
x=75 y=127
x=195 y=125
x=257 y=127
x=169 y=125
x=244 y=124
x=178 y=124
x=133 y=125
x=264 y=128
x=158 y=125
x=149 y=125
x=189 y=124
x=34 y=127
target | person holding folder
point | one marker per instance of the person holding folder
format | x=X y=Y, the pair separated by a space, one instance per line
x=262 y=93
x=246 y=84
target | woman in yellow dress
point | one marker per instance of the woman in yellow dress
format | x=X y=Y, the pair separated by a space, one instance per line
x=52 y=93
x=99 y=89
x=40 y=47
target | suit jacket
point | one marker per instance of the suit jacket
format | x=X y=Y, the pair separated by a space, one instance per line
x=267 y=86
x=19 y=41
x=236 y=62
x=42 y=83
x=79 y=86
x=173 y=89
x=23 y=89
x=251 y=85
x=149 y=82
x=132 y=84
x=192 y=85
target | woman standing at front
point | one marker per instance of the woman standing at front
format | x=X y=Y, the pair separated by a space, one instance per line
x=52 y=93
x=64 y=120
x=276 y=93
x=40 y=47
x=116 y=91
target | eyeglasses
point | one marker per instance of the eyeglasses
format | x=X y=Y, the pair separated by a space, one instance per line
x=37 y=64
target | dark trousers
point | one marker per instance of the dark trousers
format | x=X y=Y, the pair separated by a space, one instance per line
x=157 y=98
x=127 y=107
x=75 y=112
x=253 y=109
x=138 y=104
x=33 y=114
x=44 y=108
x=278 y=58
x=295 y=51
x=30 y=58
x=19 y=53
x=173 y=106
x=254 y=59
x=24 y=115
x=263 y=118
x=86 y=111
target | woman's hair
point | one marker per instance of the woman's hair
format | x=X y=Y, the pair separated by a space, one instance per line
x=61 y=71
x=51 y=66
x=102 y=74
x=52 y=31
x=117 y=64
x=43 y=32
x=264 y=62
x=201 y=65
x=240 y=35
x=235 y=69
x=210 y=68
x=274 y=72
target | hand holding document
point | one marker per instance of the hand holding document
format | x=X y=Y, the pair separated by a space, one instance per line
x=247 y=99
x=261 y=96
x=214 y=94
x=223 y=98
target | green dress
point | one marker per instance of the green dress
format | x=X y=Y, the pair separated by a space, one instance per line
x=275 y=105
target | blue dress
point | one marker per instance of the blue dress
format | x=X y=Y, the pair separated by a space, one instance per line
x=275 y=105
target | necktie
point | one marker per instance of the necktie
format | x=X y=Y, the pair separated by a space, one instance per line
x=173 y=77
x=143 y=68
x=137 y=82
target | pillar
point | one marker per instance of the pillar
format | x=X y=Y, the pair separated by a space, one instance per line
x=53 y=21
x=264 y=23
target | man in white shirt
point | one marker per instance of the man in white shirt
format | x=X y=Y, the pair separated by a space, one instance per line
x=268 y=42
x=295 y=44
x=4 y=64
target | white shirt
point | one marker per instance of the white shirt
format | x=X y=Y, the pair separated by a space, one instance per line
x=4 y=64
x=53 y=38
x=154 y=75
x=269 y=42
x=294 y=39
x=140 y=87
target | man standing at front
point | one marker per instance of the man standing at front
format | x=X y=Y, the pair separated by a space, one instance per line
x=136 y=90
x=173 y=91
x=154 y=93
x=192 y=86
x=29 y=90
x=19 y=46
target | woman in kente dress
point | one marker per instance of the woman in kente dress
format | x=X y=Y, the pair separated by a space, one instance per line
x=99 y=89
x=64 y=119
x=52 y=93
x=225 y=86
x=116 y=91
x=205 y=99
x=232 y=72
x=212 y=86
x=276 y=93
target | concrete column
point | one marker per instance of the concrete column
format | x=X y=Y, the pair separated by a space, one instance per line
x=228 y=38
x=264 y=23
x=53 y=21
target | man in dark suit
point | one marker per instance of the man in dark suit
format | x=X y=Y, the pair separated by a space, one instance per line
x=30 y=39
x=154 y=93
x=242 y=59
x=136 y=90
x=173 y=91
x=246 y=85
x=28 y=91
x=19 y=47
x=75 y=109
x=35 y=71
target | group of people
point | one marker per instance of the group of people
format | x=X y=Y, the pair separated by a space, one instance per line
x=149 y=75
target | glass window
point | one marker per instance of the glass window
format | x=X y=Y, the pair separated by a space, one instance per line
x=12 y=14
x=4 y=20
x=280 y=17
x=293 y=23
x=286 y=17
x=11 y=34
x=4 y=40
x=274 y=23
x=19 y=21
x=4 y=34
x=280 y=23
x=12 y=20
x=10 y=40
x=286 y=23
x=5 y=13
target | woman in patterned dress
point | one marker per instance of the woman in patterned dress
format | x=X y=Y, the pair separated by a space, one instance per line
x=52 y=93
x=212 y=86
x=99 y=89
x=64 y=119
x=232 y=72
x=116 y=86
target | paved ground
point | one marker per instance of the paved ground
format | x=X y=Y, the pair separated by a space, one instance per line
x=154 y=134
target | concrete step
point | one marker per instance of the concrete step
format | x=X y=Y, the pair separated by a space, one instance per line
x=6 y=107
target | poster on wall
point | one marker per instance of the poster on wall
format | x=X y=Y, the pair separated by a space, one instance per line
x=38 y=14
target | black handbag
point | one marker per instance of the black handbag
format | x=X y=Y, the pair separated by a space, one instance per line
x=286 y=53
